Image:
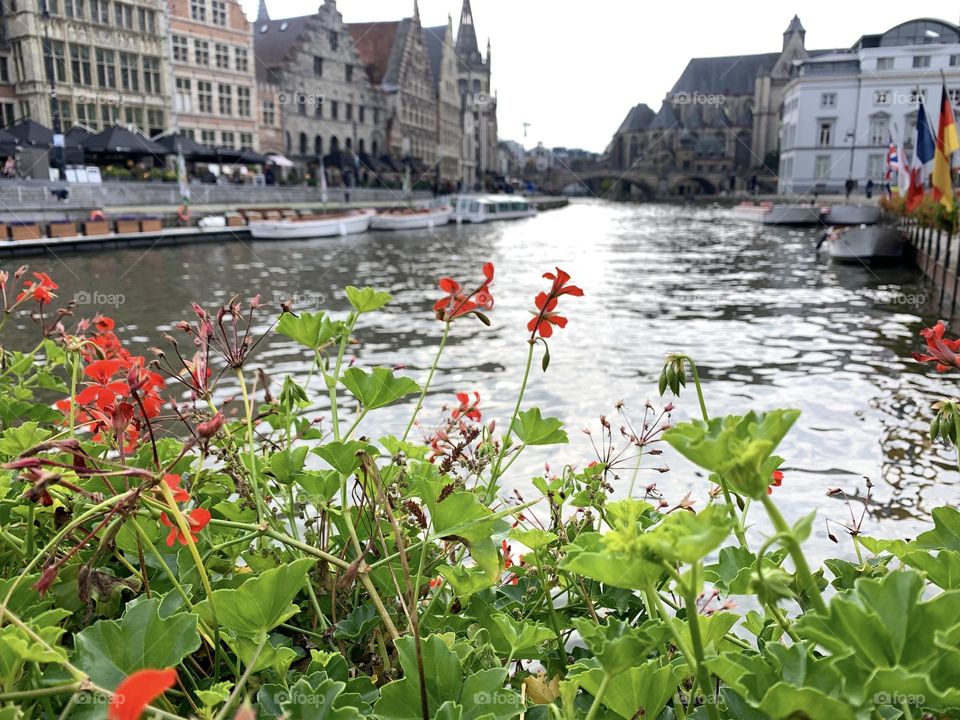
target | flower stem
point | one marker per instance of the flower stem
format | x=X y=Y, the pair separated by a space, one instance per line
x=251 y=449
x=495 y=472
x=796 y=554
x=693 y=621
x=426 y=385
x=332 y=381
x=601 y=691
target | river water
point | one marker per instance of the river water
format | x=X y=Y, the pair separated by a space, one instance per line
x=769 y=323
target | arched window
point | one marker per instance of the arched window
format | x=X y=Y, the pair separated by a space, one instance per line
x=318 y=145
x=303 y=143
x=334 y=144
x=289 y=143
x=349 y=143
x=360 y=147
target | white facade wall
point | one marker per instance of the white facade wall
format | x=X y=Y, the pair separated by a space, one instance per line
x=860 y=104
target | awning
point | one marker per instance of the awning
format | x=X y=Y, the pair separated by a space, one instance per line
x=280 y=161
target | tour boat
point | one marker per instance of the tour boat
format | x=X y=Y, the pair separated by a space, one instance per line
x=852 y=215
x=780 y=214
x=330 y=225
x=864 y=243
x=412 y=218
x=484 y=208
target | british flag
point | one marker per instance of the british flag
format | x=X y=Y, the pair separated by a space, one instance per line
x=895 y=178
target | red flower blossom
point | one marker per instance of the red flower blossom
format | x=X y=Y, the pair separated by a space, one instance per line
x=173 y=482
x=457 y=303
x=546 y=316
x=468 y=408
x=196 y=519
x=103 y=390
x=776 y=480
x=137 y=691
x=940 y=350
x=39 y=289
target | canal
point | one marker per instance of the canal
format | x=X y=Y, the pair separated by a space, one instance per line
x=770 y=324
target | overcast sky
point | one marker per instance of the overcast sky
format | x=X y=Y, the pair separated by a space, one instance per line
x=573 y=68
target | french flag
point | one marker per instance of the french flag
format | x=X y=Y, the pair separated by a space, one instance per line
x=923 y=152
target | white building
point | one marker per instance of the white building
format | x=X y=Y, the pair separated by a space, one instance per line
x=841 y=108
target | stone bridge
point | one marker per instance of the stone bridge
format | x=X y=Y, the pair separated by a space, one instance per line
x=635 y=183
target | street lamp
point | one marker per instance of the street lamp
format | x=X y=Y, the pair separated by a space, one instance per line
x=58 y=144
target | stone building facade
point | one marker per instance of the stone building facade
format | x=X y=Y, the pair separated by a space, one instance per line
x=325 y=103
x=214 y=83
x=395 y=58
x=109 y=62
x=449 y=137
x=478 y=103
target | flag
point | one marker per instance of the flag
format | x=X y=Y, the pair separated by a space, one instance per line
x=947 y=145
x=323 y=182
x=891 y=175
x=923 y=150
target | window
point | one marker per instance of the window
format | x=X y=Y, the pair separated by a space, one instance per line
x=50 y=6
x=921 y=61
x=825 y=133
x=204 y=96
x=317 y=66
x=208 y=137
x=303 y=143
x=918 y=96
x=198 y=10
x=225 y=96
x=885 y=63
x=241 y=59
x=821 y=169
x=181 y=51
x=875 y=165
x=201 y=52
x=58 y=61
x=66 y=113
x=218 y=12
x=109 y=114
x=183 y=98
x=133 y=116
x=879 y=130
x=4 y=71
x=87 y=115
x=828 y=99
x=269 y=112
x=318 y=110
x=881 y=97
x=80 y=68
x=147 y=20
x=155 y=124
x=954 y=60
x=222 y=56
x=334 y=109
x=348 y=111
x=100 y=11
x=348 y=72
x=334 y=40
x=106 y=69
x=318 y=145
x=151 y=75
x=129 y=74
x=74 y=9
x=123 y=15
x=361 y=112
x=227 y=139
x=246 y=140
x=243 y=101
x=954 y=96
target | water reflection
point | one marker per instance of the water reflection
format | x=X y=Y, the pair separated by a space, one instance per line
x=771 y=324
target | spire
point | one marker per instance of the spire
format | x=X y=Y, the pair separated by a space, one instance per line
x=467 y=47
x=416 y=11
x=262 y=14
x=795 y=26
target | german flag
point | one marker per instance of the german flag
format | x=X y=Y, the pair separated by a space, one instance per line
x=947 y=145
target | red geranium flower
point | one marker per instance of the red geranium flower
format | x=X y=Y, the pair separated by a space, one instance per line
x=468 y=408
x=137 y=691
x=545 y=317
x=457 y=302
x=197 y=520
x=103 y=391
x=39 y=289
x=940 y=350
x=776 y=480
x=173 y=482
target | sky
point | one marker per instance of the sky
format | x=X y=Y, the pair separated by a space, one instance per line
x=573 y=68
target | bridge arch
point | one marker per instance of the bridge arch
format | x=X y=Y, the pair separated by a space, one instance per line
x=693 y=185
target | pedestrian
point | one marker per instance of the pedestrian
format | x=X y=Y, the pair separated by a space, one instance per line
x=848 y=187
x=868 y=189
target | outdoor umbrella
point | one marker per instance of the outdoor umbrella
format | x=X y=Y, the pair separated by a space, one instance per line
x=30 y=132
x=8 y=143
x=118 y=140
x=189 y=148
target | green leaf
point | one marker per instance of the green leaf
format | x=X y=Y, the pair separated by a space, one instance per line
x=342 y=456
x=534 y=538
x=589 y=556
x=17 y=439
x=535 y=430
x=617 y=646
x=640 y=691
x=215 y=694
x=287 y=463
x=313 y=330
x=317 y=697
x=946 y=532
x=464 y=517
x=358 y=623
x=261 y=603
x=367 y=299
x=465 y=581
x=515 y=638
x=109 y=650
x=378 y=388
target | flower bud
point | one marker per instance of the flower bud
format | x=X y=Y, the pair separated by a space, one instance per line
x=211 y=427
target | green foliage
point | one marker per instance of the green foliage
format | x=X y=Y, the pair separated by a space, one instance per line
x=367 y=299
x=535 y=430
x=377 y=388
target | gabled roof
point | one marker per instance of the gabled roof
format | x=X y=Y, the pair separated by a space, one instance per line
x=434 y=38
x=734 y=74
x=272 y=40
x=638 y=118
x=380 y=48
x=795 y=26
x=467 y=48
x=666 y=118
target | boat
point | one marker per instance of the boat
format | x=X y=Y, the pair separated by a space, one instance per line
x=328 y=225
x=484 y=208
x=780 y=214
x=852 y=215
x=864 y=243
x=412 y=218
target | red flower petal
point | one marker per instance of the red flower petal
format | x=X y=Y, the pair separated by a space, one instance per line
x=137 y=691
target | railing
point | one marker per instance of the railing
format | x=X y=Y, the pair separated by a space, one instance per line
x=938 y=256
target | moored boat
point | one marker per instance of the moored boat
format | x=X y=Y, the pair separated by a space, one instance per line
x=780 y=214
x=484 y=208
x=411 y=218
x=852 y=215
x=329 y=225
x=865 y=243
